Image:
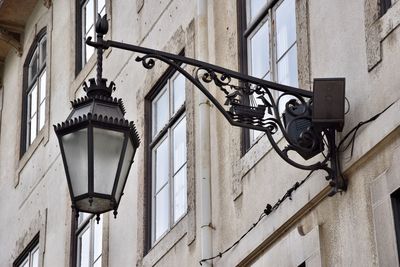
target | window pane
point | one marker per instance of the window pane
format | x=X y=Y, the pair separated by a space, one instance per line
x=89 y=50
x=43 y=51
x=103 y=11
x=162 y=212
x=180 y=194
x=255 y=8
x=97 y=242
x=385 y=5
x=42 y=115
x=287 y=74
x=160 y=112
x=287 y=68
x=161 y=162
x=84 y=248
x=33 y=68
x=179 y=140
x=25 y=263
x=33 y=129
x=35 y=258
x=33 y=101
x=178 y=91
x=82 y=217
x=285 y=26
x=395 y=199
x=254 y=135
x=101 y=7
x=42 y=85
x=89 y=15
x=97 y=263
x=259 y=52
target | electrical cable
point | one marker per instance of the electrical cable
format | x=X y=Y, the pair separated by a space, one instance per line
x=348 y=106
x=354 y=132
x=267 y=211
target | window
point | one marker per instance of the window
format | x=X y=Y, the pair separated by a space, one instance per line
x=88 y=238
x=87 y=11
x=384 y=6
x=168 y=155
x=268 y=44
x=34 y=93
x=395 y=197
x=30 y=256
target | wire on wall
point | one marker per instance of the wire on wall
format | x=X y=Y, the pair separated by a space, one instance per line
x=267 y=211
x=288 y=195
x=354 y=133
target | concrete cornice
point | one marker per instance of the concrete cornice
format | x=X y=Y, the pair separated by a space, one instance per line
x=11 y=40
x=11 y=27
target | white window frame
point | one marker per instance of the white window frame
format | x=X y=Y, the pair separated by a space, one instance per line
x=85 y=58
x=270 y=18
x=35 y=82
x=174 y=119
x=87 y=222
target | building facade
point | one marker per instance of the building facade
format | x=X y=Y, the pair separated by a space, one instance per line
x=198 y=184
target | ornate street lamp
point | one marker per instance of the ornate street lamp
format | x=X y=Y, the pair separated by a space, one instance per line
x=98 y=145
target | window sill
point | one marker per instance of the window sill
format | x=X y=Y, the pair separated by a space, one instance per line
x=242 y=166
x=168 y=231
x=41 y=138
x=167 y=241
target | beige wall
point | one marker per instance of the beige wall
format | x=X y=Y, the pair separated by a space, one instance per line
x=33 y=190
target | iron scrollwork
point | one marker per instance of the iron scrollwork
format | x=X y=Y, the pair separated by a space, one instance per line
x=275 y=109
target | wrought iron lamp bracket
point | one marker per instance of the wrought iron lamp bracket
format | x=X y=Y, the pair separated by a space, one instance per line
x=250 y=103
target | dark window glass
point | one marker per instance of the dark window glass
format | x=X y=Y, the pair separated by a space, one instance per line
x=395 y=197
x=384 y=6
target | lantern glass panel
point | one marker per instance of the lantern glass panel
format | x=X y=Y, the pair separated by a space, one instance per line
x=76 y=155
x=126 y=164
x=107 y=147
